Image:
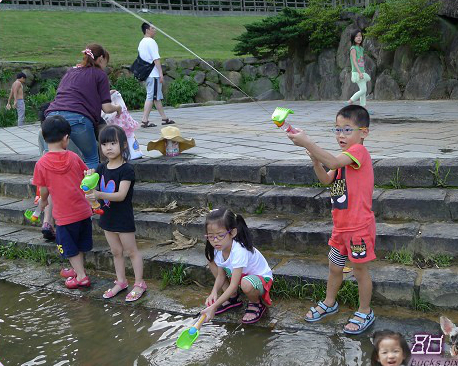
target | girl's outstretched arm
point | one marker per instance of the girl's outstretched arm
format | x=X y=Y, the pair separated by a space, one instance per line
x=233 y=286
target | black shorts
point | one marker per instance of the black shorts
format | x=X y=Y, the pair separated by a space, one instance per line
x=74 y=238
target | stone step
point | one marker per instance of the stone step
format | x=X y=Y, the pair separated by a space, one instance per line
x=410 y=204
x=392 y=283
x=290 y=234
x=407 y=172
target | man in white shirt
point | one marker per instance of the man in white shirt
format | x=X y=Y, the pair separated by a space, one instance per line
x=149 y=52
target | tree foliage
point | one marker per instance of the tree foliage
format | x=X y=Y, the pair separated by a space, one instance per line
x=406 y=22
x=271 y=35
x=320 y=25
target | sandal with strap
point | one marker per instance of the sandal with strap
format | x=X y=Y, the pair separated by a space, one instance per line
x=367 y=320
x=109 y=293
x=168 y=121
x=67 y=272
x=328 y=310
x=146 y=124
x=135 y=295
x=72 y=283
x=260 y=310
x=233 y=302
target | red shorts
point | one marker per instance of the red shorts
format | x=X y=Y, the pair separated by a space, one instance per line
x=357 y=245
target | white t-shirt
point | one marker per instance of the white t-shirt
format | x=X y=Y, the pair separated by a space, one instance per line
x=252 y=263
x=149 y=51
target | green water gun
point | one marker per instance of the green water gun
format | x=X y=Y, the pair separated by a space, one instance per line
x=279 y=118
x=88 y=184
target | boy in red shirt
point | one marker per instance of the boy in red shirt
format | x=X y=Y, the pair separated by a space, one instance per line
x=59 y=173
x=352 y=182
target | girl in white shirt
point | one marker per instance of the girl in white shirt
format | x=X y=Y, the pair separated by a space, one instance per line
x=234 y=261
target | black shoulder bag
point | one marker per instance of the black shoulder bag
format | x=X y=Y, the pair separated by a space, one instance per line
x=141 y=69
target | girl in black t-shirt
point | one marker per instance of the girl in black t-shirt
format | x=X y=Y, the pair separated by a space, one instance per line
x=117 y=179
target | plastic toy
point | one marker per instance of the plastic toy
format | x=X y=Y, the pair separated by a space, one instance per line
x=88 y=184
x=279 y=118
x=188 y=336
x=33 y=216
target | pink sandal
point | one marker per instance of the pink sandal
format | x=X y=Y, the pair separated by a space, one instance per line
x=135 y=295
x=109 y=293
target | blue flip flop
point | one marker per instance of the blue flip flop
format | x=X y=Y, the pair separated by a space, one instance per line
x=368 y=319
x=328 y=310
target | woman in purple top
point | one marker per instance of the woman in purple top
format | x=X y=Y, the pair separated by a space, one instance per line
x=83 y=93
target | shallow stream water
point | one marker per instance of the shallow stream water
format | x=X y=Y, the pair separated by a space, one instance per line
x=39 y=327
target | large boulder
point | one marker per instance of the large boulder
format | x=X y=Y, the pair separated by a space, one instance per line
x=329 y=85
x=249 y=71
x=189 y=64
x=426 y=74
x=402 y=63
x=166 y=84
x=371 y=69
x=451 y=58
x=348 y=88
x=250 y=60
x=205 y=94
x=234 y=64
x=234 y=77
x=53 y=73
x=212 y=76
x=454 y=94
x=282 y=83
x=216 y=87
x=386 y=88
x=449 y=8
x=199 y=77
x=270 y=95
x=444 y=89
x=30 y=77
x=259 y=86
x=308 y=87
x=269 y=70
x=343 y=51
x=205 y=66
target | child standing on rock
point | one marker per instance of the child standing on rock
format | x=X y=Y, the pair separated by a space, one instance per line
x=353 y=236
x=358 y=74
x=234 y=261
x=59 y=173
x=117 y=179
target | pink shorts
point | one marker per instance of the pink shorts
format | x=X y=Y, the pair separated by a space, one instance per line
x=357 y=245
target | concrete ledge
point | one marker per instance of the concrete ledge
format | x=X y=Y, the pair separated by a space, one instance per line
x=413 y=172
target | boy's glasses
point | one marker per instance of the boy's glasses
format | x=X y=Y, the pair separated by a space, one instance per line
x=217 y=237
x=346 y=130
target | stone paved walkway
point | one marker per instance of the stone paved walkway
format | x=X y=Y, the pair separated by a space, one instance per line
x=423 y=129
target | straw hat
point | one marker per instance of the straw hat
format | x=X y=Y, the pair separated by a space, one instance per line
x=170 y=133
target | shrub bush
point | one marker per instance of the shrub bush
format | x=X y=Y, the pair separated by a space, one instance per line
x=8 y=117
x=406 y=22
x=133 y=93
x=181 y=91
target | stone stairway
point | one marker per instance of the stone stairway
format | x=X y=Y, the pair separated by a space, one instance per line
x=287 y=211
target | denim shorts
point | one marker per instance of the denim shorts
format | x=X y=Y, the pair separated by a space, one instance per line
x=153 y=89
x=74 y=238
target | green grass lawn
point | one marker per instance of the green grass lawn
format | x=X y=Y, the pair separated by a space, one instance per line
x=57 y=38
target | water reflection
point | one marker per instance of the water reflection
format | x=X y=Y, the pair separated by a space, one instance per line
x=42 y=328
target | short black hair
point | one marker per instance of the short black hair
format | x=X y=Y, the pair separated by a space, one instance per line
x=55 y=128
x=357 y=114
x=145 y=27
x=354 y=34
x=42 y=111
x=21 y=75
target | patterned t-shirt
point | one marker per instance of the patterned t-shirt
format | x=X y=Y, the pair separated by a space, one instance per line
x=351 y=192
x=359 y=58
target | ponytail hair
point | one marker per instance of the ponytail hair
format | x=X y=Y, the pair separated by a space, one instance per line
x=91 y=53
x=226 y=218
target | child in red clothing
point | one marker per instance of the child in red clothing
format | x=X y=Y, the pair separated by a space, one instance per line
x=352 y=183
x=59 y=173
